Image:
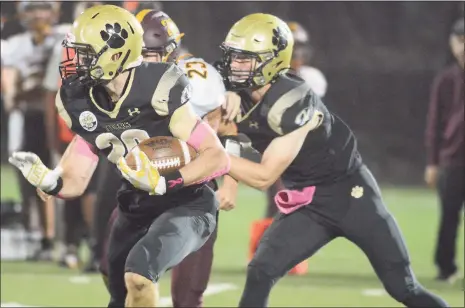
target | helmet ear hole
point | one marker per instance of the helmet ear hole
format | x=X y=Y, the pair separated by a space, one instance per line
x=116 y=56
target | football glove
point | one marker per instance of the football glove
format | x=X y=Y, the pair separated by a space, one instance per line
x=146 y=176
x=35 y=171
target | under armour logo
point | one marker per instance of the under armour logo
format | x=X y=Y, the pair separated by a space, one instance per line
x=133 y=112
x=253 y=124
x=173 y=183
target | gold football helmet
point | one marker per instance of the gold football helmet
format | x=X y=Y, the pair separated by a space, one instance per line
x=104 y=41
x=256 y=50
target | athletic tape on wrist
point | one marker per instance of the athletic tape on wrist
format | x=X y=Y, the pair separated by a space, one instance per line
x=56 y=190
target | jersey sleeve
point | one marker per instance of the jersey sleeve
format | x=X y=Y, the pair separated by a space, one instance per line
x=180 y=94
x=285 y=117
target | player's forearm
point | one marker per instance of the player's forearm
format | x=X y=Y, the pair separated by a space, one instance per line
x=211 y=163
x=251 y=174
x=79 y=163
x=229 y=182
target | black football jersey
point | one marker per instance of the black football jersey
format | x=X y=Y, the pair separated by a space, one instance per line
x=152 y=94
x=329 y=151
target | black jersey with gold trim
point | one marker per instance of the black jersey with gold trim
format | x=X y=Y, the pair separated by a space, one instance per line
x=329 y=151
x=151 y=95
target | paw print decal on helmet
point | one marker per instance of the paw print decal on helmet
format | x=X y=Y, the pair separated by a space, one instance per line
x=279 y=40
x=114 y=36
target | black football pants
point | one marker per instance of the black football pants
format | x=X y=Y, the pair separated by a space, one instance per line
x=151 y=248
x=362 y=218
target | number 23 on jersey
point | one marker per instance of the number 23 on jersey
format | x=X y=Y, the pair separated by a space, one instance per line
x=196 y=68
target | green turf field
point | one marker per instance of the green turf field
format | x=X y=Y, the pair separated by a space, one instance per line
x=340 y=276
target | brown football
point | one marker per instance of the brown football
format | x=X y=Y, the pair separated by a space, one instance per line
x=166 y=153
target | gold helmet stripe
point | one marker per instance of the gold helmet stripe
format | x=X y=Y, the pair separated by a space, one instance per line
x=141 y=15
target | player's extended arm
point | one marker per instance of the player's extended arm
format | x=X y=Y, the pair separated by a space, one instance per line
x=277 y=157
x=78 y=164
x=213 y=160
x=69 y=179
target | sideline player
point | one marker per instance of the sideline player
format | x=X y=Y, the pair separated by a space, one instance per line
x=23 y=68
x=111 y=101
x=329 y=192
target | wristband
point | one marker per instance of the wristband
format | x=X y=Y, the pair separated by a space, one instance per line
x=174 y=181
x=57 y=188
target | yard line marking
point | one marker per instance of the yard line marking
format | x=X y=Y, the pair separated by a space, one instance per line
x=212 y=289
x=373 y=292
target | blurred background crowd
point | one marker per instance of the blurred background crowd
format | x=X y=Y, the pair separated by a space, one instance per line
x=392 y=70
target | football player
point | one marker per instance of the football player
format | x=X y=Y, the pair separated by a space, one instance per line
x=162 y=40
x=329 y=192
x=301 y=55
x=112 y=101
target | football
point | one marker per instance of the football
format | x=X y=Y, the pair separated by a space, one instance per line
x=166 y=153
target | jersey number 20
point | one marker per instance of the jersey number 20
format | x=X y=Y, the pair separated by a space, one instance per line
x=129 y=139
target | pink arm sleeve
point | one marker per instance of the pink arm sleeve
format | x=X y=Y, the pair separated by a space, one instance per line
x=199 y=133
x=84 y=148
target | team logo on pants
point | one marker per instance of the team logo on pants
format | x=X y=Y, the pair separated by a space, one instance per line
x=88 y=121
x=357 y=192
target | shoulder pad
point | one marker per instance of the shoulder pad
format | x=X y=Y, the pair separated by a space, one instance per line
x=172 y=91
x=294 y=109
x=71 y=89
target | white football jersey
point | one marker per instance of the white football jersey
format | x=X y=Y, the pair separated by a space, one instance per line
x=315 y=79
x=208 y=91
x=31 y=60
